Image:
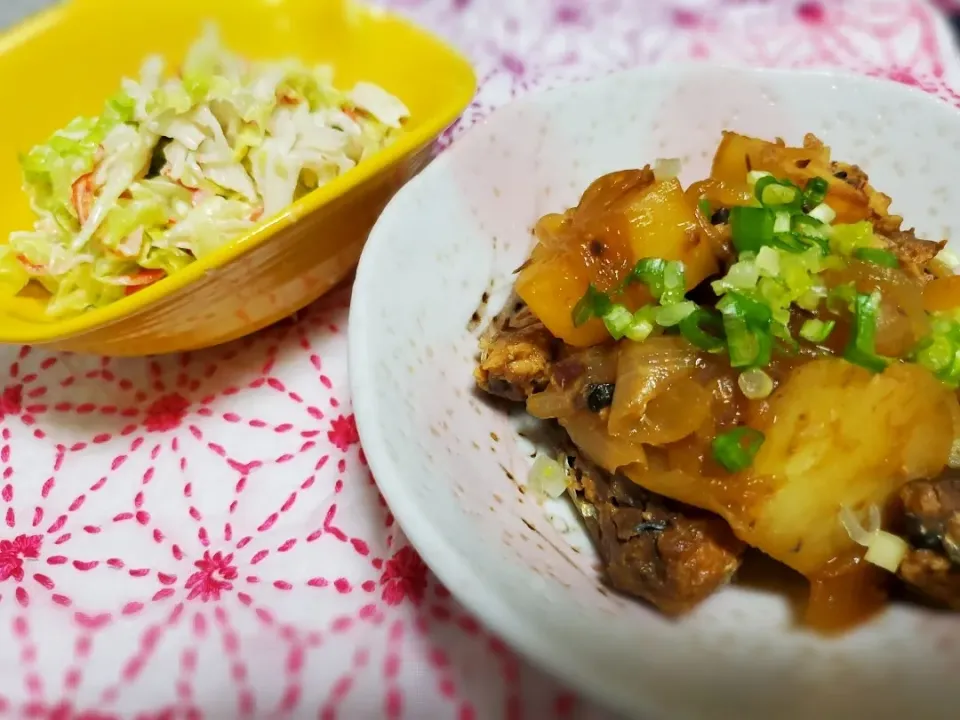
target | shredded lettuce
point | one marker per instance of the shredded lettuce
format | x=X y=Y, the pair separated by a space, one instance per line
x=175 y=167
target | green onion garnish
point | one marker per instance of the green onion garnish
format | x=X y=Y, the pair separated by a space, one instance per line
x=691 y=327
x=704 y=206
x=746 y=324
x=768 y=262
x=940 y=351
x=815 y=192
x=617 y=319
x=755 y=384
x=846 y=238
x=809 y=227
x=781 y=222
x=738 y=305
x=649 y=271
x=755 y=176
x=861 y=350
x=665 y=279
x=670 y=315
x=674 y=283
x=841 y=297
x=751 y=228
x=777 y=193
x=736 y=449
x=816 y=331
x=824 y=213
x=884 y=258
x=761 y=184
x=935 y=353
x=789 y=242
x=642 y=324
x=747 y=347
x=593 y=304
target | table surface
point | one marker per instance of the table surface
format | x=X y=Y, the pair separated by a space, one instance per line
x=200 y=536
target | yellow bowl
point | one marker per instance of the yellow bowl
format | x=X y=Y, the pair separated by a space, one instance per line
x=68 y=60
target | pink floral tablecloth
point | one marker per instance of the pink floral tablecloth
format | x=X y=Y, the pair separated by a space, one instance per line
x=199 y=535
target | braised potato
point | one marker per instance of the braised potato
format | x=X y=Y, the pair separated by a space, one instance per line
x=738 y=153
x=836 y=435
x=621 y=218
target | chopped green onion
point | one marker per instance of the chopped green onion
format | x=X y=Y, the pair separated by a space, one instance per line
x=777 y=194
x=761 y=185
x=704 y=206
x=755 y=384
x=751 y=228
x=738 y=305
x=884 y=258
x=768 y=262
x=642 y=324
x=816 y=191
x=845 y=238
x=665 y=279
x=951 y=375
x=617 y=319
x=940 y=351
x=755 y=176
x=742 y=275
x=873 y=363
x=746 y=346
x=789 y=242
x=674 y=284
x=824 y=213
x=841 y=297
x=593 y=304
x=746 y=324
x=809 y=227
x=691 y=327
x=649 y=271
x=670 y=315
x=810 y=300
x=741 y=345
x=861 y=349
x=822 y=244
x=736 y=449
x=785 y=341
x=935 y=353
x=781 y=222
x=816 y=331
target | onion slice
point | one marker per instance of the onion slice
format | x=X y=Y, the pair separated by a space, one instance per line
x=666 y=168
x=547 y=478
x=884 y=549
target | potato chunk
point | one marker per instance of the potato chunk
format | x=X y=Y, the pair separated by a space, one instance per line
x=622 y=217
x=836 y=435
x=737 y=154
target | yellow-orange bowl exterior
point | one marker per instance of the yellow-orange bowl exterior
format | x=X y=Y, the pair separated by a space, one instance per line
x=67 y=61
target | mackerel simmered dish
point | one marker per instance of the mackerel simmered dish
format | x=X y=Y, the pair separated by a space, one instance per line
x=763 y=359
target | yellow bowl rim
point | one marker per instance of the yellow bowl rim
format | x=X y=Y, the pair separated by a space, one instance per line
x=406 y=143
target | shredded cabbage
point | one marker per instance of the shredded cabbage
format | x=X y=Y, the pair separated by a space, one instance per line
x=175 y=167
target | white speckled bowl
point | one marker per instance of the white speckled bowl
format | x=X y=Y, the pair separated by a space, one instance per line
x=460 y=229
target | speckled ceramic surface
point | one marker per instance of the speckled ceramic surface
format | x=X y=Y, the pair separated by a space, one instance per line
x=450 y=465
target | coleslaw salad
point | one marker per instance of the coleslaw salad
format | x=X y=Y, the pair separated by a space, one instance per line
x=174 y=168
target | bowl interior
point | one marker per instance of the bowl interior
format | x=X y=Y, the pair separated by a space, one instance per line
x=453 y=466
